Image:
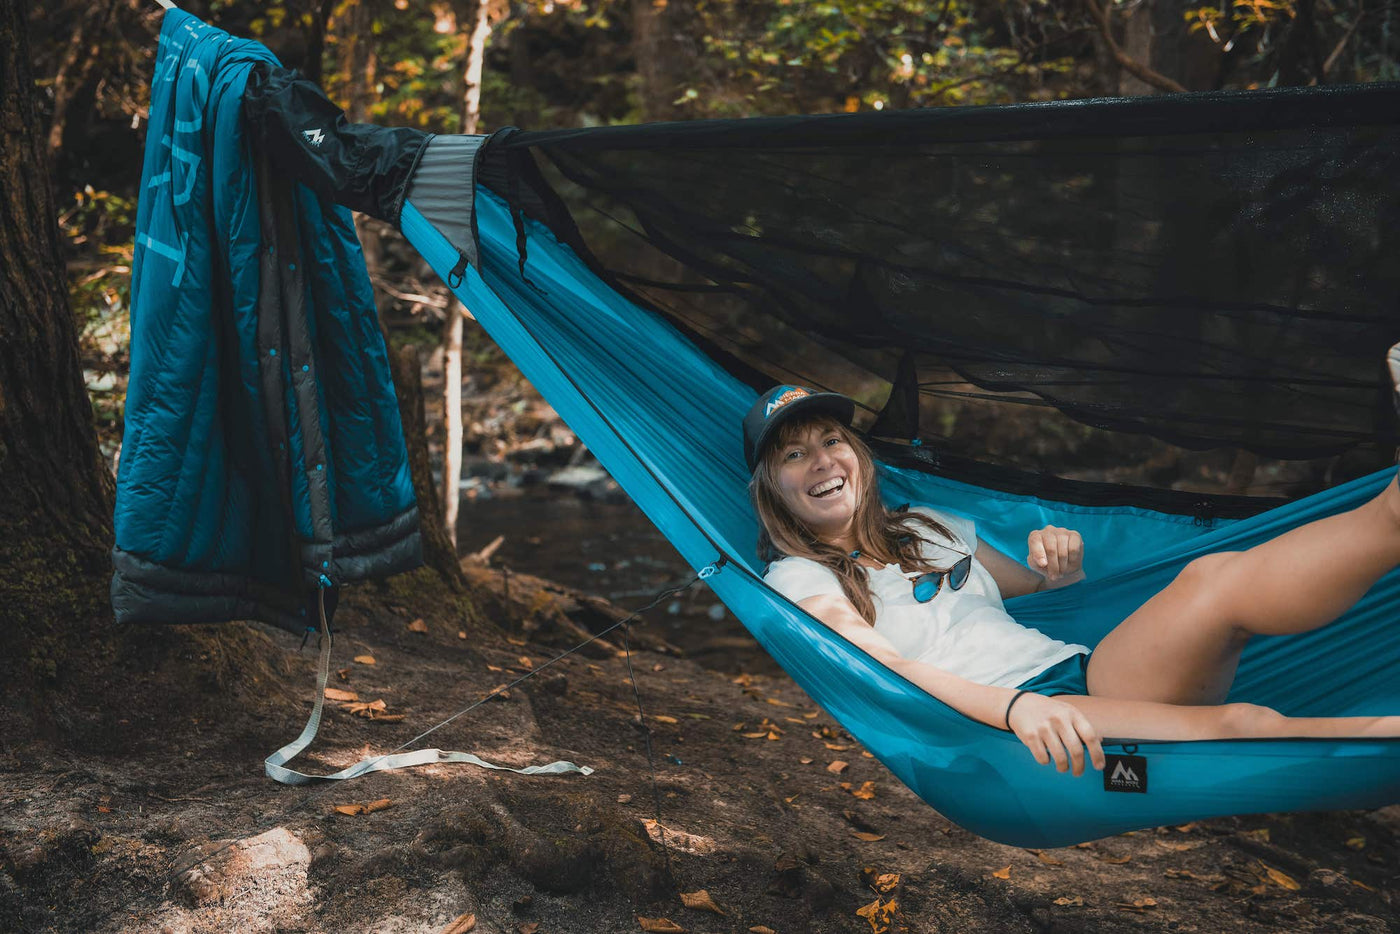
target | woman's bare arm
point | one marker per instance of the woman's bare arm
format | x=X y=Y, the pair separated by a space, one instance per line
x=1014 y=579
x=1051 y=729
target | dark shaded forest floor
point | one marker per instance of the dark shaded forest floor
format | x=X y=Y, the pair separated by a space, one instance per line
x=109 y=786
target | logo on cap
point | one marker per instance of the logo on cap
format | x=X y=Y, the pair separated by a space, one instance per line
x=789 y=394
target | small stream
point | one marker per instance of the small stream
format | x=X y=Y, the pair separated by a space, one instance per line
x=608 y=547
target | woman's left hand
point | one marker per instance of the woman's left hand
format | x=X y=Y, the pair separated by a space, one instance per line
x=1058 y=554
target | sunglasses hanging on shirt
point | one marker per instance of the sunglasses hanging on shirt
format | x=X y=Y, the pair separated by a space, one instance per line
x=927 y=586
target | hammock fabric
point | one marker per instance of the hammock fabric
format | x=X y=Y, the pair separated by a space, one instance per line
x=1205 y=269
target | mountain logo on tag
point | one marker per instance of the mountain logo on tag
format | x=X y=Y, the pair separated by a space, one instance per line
x=314 y=137
x=1125 y=773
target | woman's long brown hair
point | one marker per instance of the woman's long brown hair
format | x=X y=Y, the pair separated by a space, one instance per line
x=887 y=536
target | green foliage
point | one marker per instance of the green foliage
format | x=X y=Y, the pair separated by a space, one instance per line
x=862 y=54
x=99 y=230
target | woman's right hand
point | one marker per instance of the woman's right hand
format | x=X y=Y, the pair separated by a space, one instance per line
x=1052 y=729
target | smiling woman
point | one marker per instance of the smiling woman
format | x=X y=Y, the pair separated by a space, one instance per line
x=864 y=570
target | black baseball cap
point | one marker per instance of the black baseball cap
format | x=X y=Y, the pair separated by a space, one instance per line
x=783 y=403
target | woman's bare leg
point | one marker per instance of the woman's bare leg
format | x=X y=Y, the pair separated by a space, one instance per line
x=1182 y=646
x=1132 y=719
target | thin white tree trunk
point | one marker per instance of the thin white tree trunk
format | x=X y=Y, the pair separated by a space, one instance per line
x=452 y=331
x=452 y=417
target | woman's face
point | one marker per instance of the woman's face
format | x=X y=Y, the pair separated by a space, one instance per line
x=818 y=478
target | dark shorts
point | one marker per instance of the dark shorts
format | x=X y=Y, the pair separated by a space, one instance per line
x=1070 y=676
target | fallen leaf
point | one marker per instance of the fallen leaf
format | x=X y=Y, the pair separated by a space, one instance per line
x=514 y=641
x=1356 y=843
x=660 y=719
x=365 y=659
x=793 y=798
x=1362 y=885
x=1185 y=874
x=1261 y=834
x=813 y=715
x=865 y=792
x=1004 y=873
x=793 y=720
x=836 y=747
x=1187 y=828
x=374 y=710
x=867 y=837
x=1113 y=860
x=336 y=694
x=367 y=808
x=1139 y=904
x=503 y=695
x=837 y=767
x=461 y=634
x=658 y=667
x=868 y=755
x=524 y=662
x=1064 y=901
x=759 y=735
x=624 y=799
x=700 y=901
x=343 y=674
x=1281 y=879
x=694 y=844
x=774 y=734
x=418 y=626
x=1177 y=847
x=879 y=913
x=660 y=925
x=777 y=703
x=740 y=727
x=460 y=924
x=1046 y=858
x=805 y=760
x=760 y=929
x=882 y=883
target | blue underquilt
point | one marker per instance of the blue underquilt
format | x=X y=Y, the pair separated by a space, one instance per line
x=220 y=513
x=663 y=418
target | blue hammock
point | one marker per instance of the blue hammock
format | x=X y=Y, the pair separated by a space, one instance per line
x=662 y=417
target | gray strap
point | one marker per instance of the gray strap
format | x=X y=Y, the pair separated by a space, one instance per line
x=274 y=765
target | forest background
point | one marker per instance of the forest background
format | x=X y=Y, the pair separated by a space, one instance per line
x=74 y=80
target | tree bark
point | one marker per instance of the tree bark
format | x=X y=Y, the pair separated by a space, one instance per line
x=55 y=489
x=452 y=329
x=318 y=21
x=85 y=45
x=660 y=62
x=438 y=552
x=452 y=417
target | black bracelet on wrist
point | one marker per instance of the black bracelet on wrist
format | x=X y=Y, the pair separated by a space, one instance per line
x=1012 y=704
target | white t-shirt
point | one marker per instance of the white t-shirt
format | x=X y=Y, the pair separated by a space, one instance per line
x=965 y=632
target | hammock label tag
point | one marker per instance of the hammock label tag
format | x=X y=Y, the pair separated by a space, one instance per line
x=1125 y=773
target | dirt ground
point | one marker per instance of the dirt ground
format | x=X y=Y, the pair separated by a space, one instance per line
x=111 y=785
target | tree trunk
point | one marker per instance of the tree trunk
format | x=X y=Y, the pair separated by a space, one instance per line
x=317 y=22
x=55 y=489
x=81 y=54
x=1157 y=35
x=452 y=329
x=452 y=417
x=661 y=66
x=438 y=552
